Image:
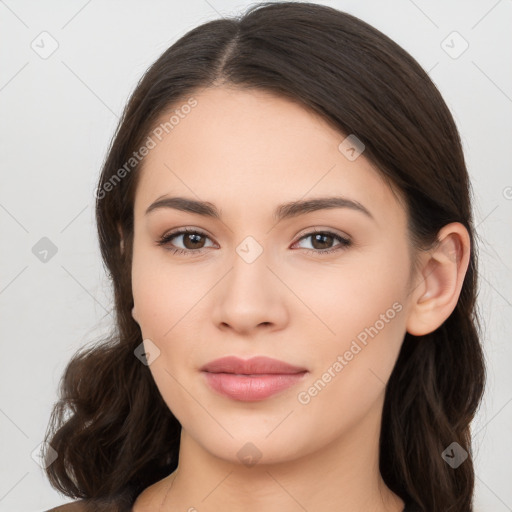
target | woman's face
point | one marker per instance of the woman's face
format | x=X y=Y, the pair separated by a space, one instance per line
x=257 y=281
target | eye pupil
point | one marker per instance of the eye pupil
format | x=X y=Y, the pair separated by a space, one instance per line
x=192 y=237
x=319 y=237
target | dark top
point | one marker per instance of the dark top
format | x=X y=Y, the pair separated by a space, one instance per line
x=410 y=507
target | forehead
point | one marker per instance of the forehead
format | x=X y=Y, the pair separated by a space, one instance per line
x=249 y=150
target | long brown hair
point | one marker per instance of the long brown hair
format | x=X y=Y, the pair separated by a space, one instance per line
x=113 y=432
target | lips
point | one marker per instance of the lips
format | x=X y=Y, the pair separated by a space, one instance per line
x=254 y=366
x=251 y=380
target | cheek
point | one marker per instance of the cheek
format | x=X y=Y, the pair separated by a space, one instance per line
x=163 y=295
x=350 y=295
x=162 y=292
x=362 y=308
x=352 y=367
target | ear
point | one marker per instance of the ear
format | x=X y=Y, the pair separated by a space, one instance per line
x=121 y=236
x=133 y=314
x=442 y=273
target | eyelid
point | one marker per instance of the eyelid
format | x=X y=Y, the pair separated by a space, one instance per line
x=185 y=229
x=311 y=230
x=165 y=238
x=344 y=241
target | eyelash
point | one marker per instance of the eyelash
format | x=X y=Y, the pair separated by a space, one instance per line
x=344 y=242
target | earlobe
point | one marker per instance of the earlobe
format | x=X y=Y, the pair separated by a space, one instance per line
x=442 y=275
x=134 y=316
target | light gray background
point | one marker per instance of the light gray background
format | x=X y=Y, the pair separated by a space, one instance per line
x=57 y=117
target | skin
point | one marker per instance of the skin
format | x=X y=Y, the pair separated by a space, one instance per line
x=247 y=152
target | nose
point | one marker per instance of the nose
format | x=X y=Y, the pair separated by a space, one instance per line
x=250 y=297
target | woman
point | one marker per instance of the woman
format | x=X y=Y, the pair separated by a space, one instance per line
x=285 y=215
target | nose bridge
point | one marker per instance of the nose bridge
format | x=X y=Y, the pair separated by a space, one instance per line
x=250 y=294
x=250 y=274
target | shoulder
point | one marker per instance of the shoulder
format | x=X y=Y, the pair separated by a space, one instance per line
x=147 y=500
x=74 y=506
x=151 y=497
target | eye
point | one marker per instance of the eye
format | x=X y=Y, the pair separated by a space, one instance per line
x=321 y=239
x=191 y=241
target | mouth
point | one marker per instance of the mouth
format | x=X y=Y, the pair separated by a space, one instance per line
x=251 y=388
x=253 y=379
x=254 y=366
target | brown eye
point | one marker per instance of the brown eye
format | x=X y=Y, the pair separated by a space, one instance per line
x=322 y=242
x=192 y=241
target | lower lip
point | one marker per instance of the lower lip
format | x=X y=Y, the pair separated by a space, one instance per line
x=249 y=388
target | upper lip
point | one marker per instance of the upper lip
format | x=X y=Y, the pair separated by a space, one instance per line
x=255 y=365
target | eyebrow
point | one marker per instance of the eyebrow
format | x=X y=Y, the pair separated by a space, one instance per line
x=282 y=212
